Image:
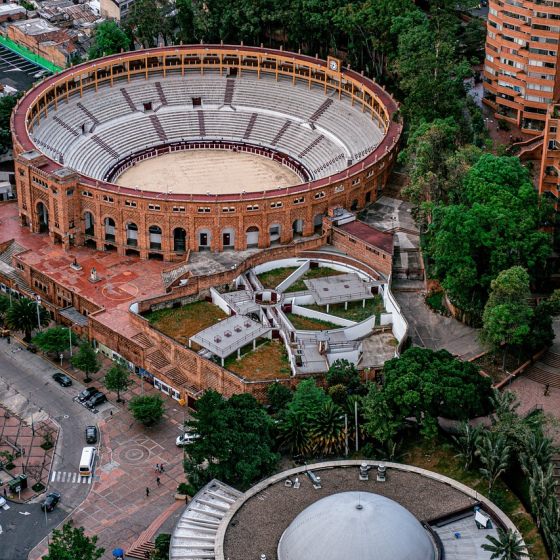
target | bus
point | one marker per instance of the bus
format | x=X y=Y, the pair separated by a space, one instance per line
x=87 y=461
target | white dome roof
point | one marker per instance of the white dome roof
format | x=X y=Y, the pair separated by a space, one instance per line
x=355 y=526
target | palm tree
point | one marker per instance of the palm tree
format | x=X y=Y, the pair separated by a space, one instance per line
x=327 y=429
x=537 y=447
x=541 y=488
x=467 y=442
x=551 y=525
x=508 y=546
x=494 y=455
x=504 y=403
x=293 y=431
x=22 y=316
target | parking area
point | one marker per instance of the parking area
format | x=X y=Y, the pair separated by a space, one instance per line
x=16 y=71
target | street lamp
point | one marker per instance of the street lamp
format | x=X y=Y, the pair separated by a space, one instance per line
x=70 y=341
x=39 y=312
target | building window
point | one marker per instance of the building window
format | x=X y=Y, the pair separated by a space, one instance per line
x=203 y=210
x=299 y=200
x=22 y=173
x=87 y=194
x=276 y=204
x=320 y=195
x=252 y=208
x=69 y=192
x=231 y=209
x=108 y=199
x=130 y=203
x=154 y=207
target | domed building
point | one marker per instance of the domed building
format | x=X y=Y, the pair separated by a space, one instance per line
x=335 y=510
x=355 y=526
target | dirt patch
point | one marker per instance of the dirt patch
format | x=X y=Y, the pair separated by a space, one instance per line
x=309 y=324
x=493 y=367
x=273 y=278
x=186 y=321
x=268 y=361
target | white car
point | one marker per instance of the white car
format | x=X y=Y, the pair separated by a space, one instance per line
x=2 y=501
x=185 y=439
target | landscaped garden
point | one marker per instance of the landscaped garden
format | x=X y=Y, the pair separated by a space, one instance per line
x=273 y=278
x=268 y=361
x=319 y=272
x=186 y=321
x=356 y=311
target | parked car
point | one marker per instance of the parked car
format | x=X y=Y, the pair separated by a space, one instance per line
x=91 y=434
x=51 y=501
x=32 y=348
x=185 y=439
x=62 y=379
x=2 y=501
x=96 y=400
x=86 y=394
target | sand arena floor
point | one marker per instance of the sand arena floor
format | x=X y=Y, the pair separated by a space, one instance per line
x=200 y=171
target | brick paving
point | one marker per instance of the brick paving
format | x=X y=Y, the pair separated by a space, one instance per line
x=117 y=509
x=35 y=462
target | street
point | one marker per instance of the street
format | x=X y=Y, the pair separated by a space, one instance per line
x=27 y=388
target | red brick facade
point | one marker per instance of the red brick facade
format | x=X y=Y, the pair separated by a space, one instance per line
x=47 y=188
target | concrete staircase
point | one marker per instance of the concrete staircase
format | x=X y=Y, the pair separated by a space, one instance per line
x=547 y=370
x=195 y=534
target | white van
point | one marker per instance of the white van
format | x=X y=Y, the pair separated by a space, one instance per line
x=87 y=461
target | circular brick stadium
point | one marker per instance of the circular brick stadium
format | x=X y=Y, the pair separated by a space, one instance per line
x=157 y=153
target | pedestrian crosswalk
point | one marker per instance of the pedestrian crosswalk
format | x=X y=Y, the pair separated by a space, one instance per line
x=70 y=477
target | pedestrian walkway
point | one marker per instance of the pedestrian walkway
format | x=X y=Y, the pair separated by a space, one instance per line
x=70 y=477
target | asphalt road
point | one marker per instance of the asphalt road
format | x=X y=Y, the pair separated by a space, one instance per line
x=26 y=384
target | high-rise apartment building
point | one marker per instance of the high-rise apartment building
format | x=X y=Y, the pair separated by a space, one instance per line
x=520 y=70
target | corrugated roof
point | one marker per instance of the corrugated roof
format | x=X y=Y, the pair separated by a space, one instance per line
x=371 y=235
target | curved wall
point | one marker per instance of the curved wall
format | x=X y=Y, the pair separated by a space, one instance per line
x=74 y=208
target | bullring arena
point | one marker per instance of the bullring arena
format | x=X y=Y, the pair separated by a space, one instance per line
x=240 y=168
x=261 y=144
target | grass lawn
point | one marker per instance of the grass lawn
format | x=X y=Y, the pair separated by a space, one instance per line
x=272 y=278
x=439 y=455
x=355 y=311
x=268 y=361
x=309 y=324
x=186 y=321
x=320 y=272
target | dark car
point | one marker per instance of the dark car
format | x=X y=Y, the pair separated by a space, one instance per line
x=51 y=501
x=91 y=434
x=86 y=394
x=63 y=379
x=96 y=400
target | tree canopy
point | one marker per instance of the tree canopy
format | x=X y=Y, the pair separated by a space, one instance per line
x=55 y=340
x=108 y=38
x=22 y=316
x=71 y=543
x=86 y=360
x=148 y=409
x=424 y=384
x=235 y=438
x=118 y=379
x=495 y=228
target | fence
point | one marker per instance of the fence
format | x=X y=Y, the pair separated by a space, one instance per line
x=28 y=55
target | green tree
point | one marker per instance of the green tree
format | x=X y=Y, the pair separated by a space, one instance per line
x=493 y=453
x=72 y=544
x=541 y=332
x=541 y=488
x=162 y=544
x=7 y=104
x=279 y=396
x=424 y=384
x=148 y=409
x=508 y=546
x=86 y=360
x=495 y=228
x=4 y=305
x=235 y=440
x=55 y=340
x=108 y=38
x=118 y=379
x=22 y=316
x=152 y=20
x=294 y=432
x=327 y=429
x=342 y=372
x=467 y=442
x=308 y=398
x=507 y=313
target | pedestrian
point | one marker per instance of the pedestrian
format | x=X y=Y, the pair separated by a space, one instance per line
x=547 y=390
x=8 y=339
x=158 y=481
x=5 y=492
x=147 y=492
x=157 y=467
x=186 y=498
x=161 y=469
